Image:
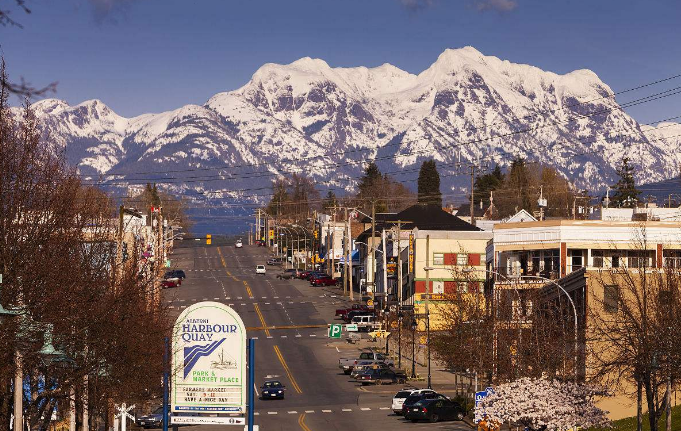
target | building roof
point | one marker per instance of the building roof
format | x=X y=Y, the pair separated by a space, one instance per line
x=432 y=217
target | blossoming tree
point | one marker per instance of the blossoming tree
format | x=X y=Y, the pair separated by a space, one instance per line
x=542 y=404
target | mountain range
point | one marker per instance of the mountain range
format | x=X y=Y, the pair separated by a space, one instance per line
x=325 y=122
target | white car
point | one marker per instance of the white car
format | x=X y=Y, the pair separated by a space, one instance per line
x=238 y=244
x=260 y=269
x=398 y=399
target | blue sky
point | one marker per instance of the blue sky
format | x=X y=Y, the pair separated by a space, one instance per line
x=153 y=55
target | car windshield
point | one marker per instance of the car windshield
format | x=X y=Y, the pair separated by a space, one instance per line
x=402 y=394
x=261 y=267
x=272 y=385
x=411 y=399
x=158 y=411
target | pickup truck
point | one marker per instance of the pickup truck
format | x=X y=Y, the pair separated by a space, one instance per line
x=365 y=358
x=343 y=312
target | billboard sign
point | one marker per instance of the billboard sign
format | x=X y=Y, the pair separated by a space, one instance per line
x=209 y=360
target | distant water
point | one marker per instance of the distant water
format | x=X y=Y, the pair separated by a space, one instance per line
x=221 y=221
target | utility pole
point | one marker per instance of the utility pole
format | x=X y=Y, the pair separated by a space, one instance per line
x=385 y=269
x=399 y=293
x=373 y=248
x=349 y=223
x=472 y=166
x=428 y=302
x=346 y=237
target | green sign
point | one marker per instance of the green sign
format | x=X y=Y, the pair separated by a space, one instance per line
x=335 y=330
x=351 y=328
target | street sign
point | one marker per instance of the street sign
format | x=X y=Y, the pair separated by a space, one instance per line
x=335 y=330
x=200 y=420
x=209 y=360
x=351 y=327
x=479 y=396
x=370 y=303
x=379 y=334
x=124 y=414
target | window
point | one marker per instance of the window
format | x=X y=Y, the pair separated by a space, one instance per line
x=474 y=287
x=576 y=260
x=597 y=257
x=638 y=259
x=462 y=259
x=438 y=287
x=438 y=258
x=611 y=298
x=474 y=259
x=615 y=261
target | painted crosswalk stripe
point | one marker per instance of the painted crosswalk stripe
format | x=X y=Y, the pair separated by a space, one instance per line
x=313 y=335
x=309 y=411
x=293 y=412
x=284 y=336
x=255 y=338
x=271 y=413
x=347 y=410
x=365 y=409
x=298 y=335
x=326 y=411
x=256 y=414
x=385 y=408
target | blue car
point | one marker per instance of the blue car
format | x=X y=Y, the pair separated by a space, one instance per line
x=272 y=390
x=152 y=420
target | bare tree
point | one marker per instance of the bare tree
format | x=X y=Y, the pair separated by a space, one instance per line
x=635 y=321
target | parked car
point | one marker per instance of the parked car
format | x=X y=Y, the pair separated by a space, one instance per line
x=260 y=269
x=342 y=312
x=238 y=244
x=171 y=282
x=260 y=243
x=275 y=261
x=175 y=273
x=347 y=365
x=288 y=274
x=355 y=313
x=272 y=390
x=365 y=323
x=401 y=396
x=364 y=366
x=411 y=400
x=435 y=410
x=382 y=376
x=152 y=420
x=324 y=280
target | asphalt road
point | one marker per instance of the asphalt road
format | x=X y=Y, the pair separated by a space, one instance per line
x=319 y=397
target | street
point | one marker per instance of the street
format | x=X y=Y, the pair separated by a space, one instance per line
x=318 y=395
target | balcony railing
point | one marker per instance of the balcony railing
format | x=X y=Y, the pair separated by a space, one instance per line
x=530 y=275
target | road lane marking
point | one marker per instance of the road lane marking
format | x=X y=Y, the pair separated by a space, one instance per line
x=326 y=411
x=271 y=413
x=346 y=410
x=288 y=371
x=309 y=411
x=364 y=409
x=385 y=408
x=301 y=422
x=292 y=412
x=262 y=319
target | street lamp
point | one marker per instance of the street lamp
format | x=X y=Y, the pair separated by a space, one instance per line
x=414 y=325
x=428 y=269
x=572 y=303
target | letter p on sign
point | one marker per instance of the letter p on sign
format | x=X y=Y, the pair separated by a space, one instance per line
x=335 y=331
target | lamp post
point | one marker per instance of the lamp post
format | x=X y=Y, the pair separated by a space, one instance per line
x=18 y=377
x=572 y=303
x=428 y=269
x=413 y=347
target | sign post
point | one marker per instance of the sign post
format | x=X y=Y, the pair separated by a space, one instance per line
x=251 y=383
x=209 y=361
x=124 y=414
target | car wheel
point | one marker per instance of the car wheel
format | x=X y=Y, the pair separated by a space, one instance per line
x=434 y=418
x=459 y=416
x=414 y=421
x=401 y=381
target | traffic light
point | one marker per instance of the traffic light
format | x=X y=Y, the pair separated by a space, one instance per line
x=316 y=233
x=208 y=239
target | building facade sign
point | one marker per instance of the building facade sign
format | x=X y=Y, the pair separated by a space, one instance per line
x=209 y=360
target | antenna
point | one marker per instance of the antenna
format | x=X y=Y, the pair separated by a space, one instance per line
x=606 y=201
x=542 y=202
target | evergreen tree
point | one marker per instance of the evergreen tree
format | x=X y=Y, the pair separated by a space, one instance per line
x=626 y=193
x=429 y=184
x=371 y=188
x=330 y=201
x=484 y=184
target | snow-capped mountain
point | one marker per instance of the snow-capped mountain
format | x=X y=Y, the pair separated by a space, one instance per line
x=327 y=122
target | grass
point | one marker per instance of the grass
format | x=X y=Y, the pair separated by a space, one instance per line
x=629 y=424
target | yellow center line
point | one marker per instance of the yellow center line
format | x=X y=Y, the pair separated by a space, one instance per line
x=301 y=422
x=262 y=318
x=262 y=328
x=248 y=289
x=222 y=259
x=288 y=371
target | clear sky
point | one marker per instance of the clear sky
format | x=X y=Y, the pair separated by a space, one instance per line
x=142 y=56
